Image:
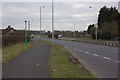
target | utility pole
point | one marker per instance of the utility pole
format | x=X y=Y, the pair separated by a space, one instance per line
x=52 y=23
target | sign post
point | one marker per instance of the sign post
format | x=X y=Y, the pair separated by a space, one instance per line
x=26 y=32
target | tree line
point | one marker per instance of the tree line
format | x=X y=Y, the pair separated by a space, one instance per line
x=108 y=28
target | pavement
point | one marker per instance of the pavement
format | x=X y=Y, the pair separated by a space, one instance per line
x=101 y=60
x=32 y=63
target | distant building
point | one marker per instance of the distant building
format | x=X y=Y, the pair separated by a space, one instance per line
x=8 y=30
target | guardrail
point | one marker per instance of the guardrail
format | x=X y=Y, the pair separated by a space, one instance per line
x=109 y=43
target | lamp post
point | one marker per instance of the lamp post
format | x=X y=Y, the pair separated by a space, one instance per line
x=26 y=32
x=74 y=28
x=40 y=18
x=96 y=26
x=52 y=23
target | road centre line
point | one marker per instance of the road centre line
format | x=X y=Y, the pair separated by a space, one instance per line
x=118 y=61
x=87 y=52
x=107 y=58
x=75 y=49
x=80 y=50
x=95 y=54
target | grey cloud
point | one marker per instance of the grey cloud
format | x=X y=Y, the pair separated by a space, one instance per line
x=15 y=13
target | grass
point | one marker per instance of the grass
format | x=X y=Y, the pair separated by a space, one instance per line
x=10 y=52
x=61 y=66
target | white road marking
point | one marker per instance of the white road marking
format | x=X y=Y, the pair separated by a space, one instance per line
x=107 y=58
x=118 y=61
x=95 y=54
x=75 y=49
x=85 y=46
x=80 y=50
x=87 y=52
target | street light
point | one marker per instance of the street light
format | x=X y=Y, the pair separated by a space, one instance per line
x=74 y=27
x=96 y=26
x=52 y=23
x=40 y=18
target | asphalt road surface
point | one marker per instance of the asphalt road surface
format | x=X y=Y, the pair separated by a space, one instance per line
x=101 y=60
x=33 y=63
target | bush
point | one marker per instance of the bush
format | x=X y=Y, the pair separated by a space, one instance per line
x=9 y=40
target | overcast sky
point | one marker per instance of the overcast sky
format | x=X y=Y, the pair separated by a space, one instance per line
x=15 y=13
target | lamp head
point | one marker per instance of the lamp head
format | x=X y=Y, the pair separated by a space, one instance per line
x=43 y=6
x=90 y=7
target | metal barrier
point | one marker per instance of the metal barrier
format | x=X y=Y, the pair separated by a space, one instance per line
x=110 y=43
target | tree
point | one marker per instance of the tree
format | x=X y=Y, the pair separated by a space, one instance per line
x=108 y=19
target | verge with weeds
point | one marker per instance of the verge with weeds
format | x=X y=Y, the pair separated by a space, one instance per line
x=61 y=66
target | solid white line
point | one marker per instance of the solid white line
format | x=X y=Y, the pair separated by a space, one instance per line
x=75 y=49
x=106 y=58
x=95 y=54
x=87 y=52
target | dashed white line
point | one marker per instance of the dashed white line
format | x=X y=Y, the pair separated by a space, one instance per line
x=118 y=61
x=95 y=54
x=87 y=52
x=75 y=49
x=107 y=58
x=80 y=50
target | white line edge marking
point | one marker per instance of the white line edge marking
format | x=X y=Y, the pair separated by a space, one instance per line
x=107 y=58
x=87 y=52
x=95 y=54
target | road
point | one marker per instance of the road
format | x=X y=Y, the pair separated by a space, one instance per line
x=33 y=63
x=101 y=60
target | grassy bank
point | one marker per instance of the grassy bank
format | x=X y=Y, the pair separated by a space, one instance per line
x=61 y=66
x=10 y=52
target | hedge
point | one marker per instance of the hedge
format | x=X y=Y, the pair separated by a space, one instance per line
x=9 y=40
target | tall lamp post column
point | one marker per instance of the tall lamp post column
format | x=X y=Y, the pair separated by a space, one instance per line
x=96 y=26
x=40 y=18
x=74 y=28
x=26 y=32
x=52 y=23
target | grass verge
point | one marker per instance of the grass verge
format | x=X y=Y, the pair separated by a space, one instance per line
x=10 y=52
x=61 y=66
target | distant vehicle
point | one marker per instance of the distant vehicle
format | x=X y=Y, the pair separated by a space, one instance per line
x=59 y=36
x=32 y=36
